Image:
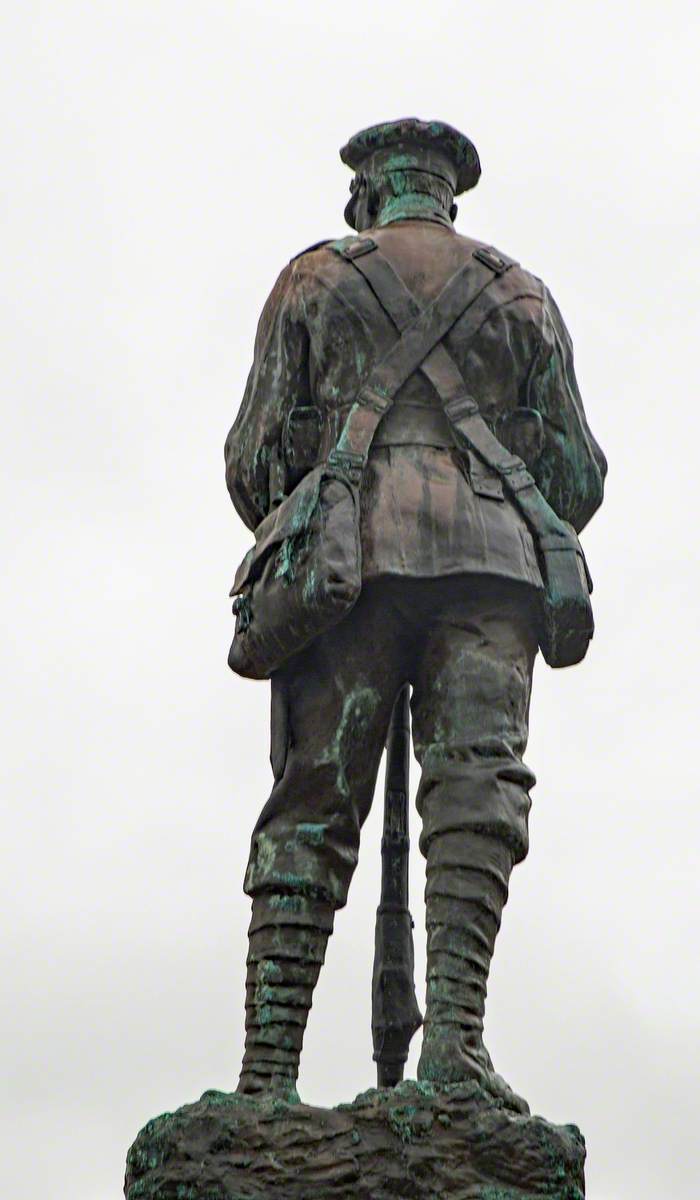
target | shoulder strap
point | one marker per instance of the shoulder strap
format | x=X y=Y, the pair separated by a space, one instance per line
x=468 y=426
x=421 y=331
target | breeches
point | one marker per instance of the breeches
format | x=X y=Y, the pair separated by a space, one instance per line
x=467 y=646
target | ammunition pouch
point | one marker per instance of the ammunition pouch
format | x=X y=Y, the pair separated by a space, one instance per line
x=566 y=625
x=522 y=432
x=301 y=440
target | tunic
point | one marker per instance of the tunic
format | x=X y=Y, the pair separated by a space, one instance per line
x=427 y=511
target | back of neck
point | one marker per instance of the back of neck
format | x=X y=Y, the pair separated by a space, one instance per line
x=412 y=206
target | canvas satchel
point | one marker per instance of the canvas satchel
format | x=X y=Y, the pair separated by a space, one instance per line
x=303 y=574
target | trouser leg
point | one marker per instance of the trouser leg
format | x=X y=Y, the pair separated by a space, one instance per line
x=471 y=703
x=331 y=709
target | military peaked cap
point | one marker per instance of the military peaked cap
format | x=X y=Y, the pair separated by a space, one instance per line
x=410 y=144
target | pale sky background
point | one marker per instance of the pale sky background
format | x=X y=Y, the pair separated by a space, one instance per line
x=161 y=161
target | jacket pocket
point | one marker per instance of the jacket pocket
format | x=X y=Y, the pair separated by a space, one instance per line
x=484 y=482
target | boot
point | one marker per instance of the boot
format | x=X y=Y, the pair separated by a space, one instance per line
x=287 y=945
x=464 y=904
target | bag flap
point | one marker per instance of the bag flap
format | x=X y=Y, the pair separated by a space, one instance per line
x=289 y=519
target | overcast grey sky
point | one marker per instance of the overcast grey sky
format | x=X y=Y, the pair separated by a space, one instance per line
x=161 y=161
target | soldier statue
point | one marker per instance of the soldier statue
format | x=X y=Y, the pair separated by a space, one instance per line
x=451 y=583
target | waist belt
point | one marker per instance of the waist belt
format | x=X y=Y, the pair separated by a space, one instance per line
x=414 y=425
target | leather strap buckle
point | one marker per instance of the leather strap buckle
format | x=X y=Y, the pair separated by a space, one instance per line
x=368 y=398
x=349 y=462
x=490 y=259
x=461 y=407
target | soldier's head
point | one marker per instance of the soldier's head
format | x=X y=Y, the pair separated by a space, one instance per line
x=405 y=169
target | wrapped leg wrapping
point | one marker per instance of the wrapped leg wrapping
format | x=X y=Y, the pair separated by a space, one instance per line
x=466 y=889
x=287 y=945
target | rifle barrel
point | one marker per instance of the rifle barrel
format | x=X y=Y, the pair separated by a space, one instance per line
x=395 y=1012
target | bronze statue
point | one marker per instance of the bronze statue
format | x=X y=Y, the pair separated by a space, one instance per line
x=451 y=579
x=413 y=456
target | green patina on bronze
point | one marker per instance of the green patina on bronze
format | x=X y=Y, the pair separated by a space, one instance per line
x=285 y=561
x=293 y=902
x=359 y=706
x=311 y=833
x=266 y=852
x=405 y=206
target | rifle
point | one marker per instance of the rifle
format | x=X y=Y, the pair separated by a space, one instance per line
x=395 y=1012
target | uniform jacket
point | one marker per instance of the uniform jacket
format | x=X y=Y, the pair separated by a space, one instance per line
x=427 y=511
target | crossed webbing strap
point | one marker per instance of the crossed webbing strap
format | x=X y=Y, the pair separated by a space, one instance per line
x=419 y=345
x=421 y=330
x=402 y=308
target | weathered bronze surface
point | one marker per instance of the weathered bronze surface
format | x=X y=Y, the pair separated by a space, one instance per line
x=413 y=1142
x=450 y=610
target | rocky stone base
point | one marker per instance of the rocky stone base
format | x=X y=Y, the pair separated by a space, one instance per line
x=412 y=1142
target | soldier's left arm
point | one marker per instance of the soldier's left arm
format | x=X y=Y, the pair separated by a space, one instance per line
x=571 y=468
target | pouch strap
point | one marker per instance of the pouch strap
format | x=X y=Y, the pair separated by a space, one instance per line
x=472 y=432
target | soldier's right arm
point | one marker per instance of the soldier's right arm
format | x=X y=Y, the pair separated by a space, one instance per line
x=278 y=379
